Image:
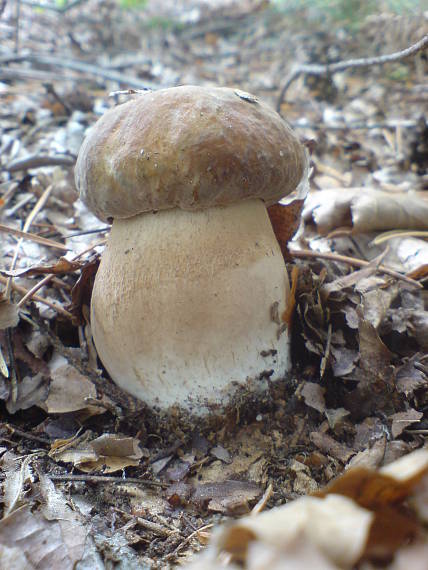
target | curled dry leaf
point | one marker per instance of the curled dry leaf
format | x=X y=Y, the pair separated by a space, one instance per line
x=366 y=209
x=63 y=265
x=50 y=536
x=109 y=452
x=285 y=220
x=357 y=517
x=285 y=216
x=401 y=420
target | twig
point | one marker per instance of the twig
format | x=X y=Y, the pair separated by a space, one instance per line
x=328 y=69
x=53 y=7
x=261 y=505
x=34 y=237
x=381 y=238
x=175 y=552
x=39 y=160
x=156 y=528
x=17 y=24
x=107 y=479
x=353 y=125
x=19 y=432
x=49 y=277
x=304 y=253
x=8 y=289
x=31 y=217
x=81 y=67
x=11 y=73
x=38 y=299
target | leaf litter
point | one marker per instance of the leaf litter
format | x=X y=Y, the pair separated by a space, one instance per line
x=89 y=468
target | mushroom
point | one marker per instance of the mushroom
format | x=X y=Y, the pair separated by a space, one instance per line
x=184 y=301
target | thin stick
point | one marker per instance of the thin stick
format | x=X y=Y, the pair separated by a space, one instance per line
x=39 y=160
x=38 y=299
x=80 y=67
x=261 y=505
x=352 y=125
x=399 y=233
x=304 y=253
x=328 y=69
x=154 y=527
x=186 y=541
x=49 y=277
x=107 y=479
x=33 y=237
x=39 y=205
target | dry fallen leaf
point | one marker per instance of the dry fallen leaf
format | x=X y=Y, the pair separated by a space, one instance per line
x=313 y=394
x=107 y=453
x=358 y=517
x=366 y=209
x=69 y=389
x=62 y=266
x=9 y=315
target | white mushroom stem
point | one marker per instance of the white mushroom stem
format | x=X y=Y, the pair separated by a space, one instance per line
x=184 y=304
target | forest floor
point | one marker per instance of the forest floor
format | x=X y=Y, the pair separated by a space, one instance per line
x=83 y=463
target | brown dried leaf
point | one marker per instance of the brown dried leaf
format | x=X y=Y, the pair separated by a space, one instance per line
x=335 y=527
x=331 y=447
x=219 y=452
x=9 y=315
x=408 y=378
x=367 y=210
x=358 y=516
x=344 y=360
x=69 y=388
x=51 y=537
x=109 y=452
x=62 y=266
x=41 y=542
x=110 y=444
x=82 y=290
x=32 y=391
x=401 y=420
x=228 y=497
x=313 y=394
x=285 y=220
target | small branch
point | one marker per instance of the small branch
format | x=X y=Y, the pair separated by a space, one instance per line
x=154 y=527
x=304 y=253
x=353 y=125
x=21 y=433
x=107 y=479
x=186 y=541
x=33 y=237
x=39 y=160
x=31 y=217
x=60 y=9
x=80 y=67
x=328 y=69
x=30 y=294
x=38 y=299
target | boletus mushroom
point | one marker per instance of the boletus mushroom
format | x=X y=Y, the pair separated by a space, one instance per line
x=181 y=308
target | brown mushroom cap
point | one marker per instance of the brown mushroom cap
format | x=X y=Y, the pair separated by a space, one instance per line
x=187 y=147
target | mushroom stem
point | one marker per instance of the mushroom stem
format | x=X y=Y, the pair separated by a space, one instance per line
x=182 y=305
